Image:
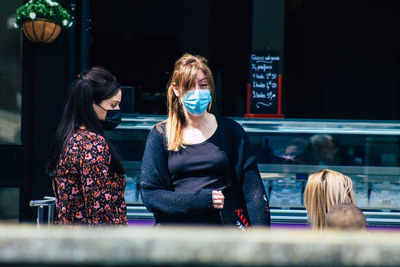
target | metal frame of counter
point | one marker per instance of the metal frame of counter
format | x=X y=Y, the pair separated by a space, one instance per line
x=283 y=125
x=285 y=216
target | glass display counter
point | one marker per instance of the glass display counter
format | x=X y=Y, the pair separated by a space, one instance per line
x=287 y=151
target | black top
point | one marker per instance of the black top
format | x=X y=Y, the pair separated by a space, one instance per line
x=167 y=205
x=198 y=166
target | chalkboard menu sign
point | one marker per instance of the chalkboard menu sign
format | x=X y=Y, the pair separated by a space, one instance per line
x=264 y=88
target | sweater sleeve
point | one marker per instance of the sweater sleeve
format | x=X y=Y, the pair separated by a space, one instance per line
x=156 y=188
x=250 y=180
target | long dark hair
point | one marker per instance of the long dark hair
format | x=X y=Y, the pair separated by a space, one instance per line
x=91 y=86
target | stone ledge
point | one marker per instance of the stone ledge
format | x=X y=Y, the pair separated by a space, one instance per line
x=27 y=244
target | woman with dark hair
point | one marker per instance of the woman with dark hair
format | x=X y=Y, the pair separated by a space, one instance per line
x=197 y=167
x=88 y=177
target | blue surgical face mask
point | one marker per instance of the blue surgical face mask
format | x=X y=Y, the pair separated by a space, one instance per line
x=196 y=101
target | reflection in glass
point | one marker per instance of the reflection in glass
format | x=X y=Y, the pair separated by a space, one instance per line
x=385 y=195
x=286 y=192
x=10 y=73
x=9 y=204
x=368 y=152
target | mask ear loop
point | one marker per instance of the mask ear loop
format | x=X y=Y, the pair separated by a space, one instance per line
x=102 y=107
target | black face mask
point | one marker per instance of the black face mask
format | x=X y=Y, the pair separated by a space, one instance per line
x=113 y=119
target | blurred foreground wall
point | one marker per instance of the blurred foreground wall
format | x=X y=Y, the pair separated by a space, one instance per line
x=29 y=245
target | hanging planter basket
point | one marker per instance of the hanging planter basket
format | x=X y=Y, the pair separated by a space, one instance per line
x=41 y=30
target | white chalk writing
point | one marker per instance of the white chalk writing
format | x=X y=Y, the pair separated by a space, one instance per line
x=263 y=67
x=259 y=95
x=268 y=58
x=259 y=104
x=258 y=85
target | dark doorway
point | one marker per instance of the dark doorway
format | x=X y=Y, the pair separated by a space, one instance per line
x=141 y=40
x=342 y=59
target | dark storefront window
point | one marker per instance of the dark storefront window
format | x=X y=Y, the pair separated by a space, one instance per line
x=10 y=73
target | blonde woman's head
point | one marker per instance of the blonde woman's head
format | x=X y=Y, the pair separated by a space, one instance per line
x=183 y=79
x=184 y=76
x=325 y=189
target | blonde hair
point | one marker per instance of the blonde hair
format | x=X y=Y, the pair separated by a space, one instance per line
x=183 y=79
x=325 y=189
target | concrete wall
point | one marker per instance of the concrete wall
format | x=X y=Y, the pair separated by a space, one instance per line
x=25 y=244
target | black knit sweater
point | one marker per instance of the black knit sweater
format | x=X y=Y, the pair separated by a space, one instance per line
x=167 y=206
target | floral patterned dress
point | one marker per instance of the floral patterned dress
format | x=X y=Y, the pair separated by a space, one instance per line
x=85 y=189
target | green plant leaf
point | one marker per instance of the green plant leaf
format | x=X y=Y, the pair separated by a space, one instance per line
x=44 y=9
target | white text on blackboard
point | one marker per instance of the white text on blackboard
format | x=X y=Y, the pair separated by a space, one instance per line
x=267 y=76
x=258 y=85
x=259 y=95
x=262 y=67
x=269 y=95
x=264 y=58
x=268 y=85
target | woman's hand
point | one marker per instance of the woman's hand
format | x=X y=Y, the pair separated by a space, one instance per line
x=218 y=199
